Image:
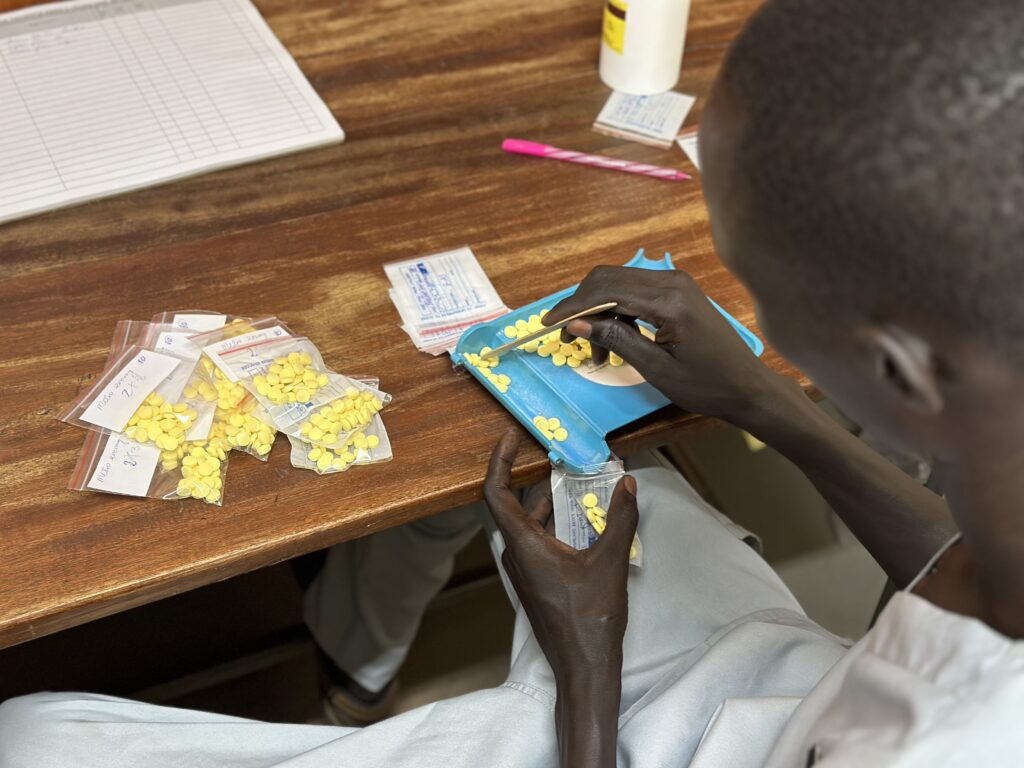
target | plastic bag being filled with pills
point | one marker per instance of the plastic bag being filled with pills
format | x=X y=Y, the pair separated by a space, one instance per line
x=581 y=502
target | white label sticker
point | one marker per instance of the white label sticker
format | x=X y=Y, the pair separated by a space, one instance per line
x=199 y=323
x=177 y=343
x=125 y=467
x=648 y=119
x=124 y=393
x=215 y=350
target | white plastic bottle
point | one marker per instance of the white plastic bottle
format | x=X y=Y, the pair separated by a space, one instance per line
x=642 y=44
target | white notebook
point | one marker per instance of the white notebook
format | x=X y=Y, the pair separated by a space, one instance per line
x=103 y=96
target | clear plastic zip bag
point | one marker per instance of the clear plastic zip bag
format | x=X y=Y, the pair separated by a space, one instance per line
x=303 y=397
x=581 y=502
x=141 y=385
x=241 y=333
x=368 y=445
x=112 y=463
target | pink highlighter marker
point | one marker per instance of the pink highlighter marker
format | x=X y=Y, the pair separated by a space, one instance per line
x=523 y=147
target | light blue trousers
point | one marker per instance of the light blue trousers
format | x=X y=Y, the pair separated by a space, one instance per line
x=712 y=631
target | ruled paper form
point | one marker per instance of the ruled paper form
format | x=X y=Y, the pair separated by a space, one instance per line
x=103 y=96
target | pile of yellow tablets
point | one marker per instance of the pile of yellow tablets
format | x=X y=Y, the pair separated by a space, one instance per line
x=551 y=428
x=290 y=379
x=353 y=411
x=161 y=423
x=340 y=457
x=483 y=364
x=201 y=474
x=573 y=353
x=598 y=518
x=245 y=431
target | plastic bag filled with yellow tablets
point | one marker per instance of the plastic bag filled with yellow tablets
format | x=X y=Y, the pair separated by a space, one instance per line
x=303 y=397
x=145 y=395
x=246 y=427
x=112 y=463
x=367 y=445
x=238 y=334
x=239 y=419
x=581 y=504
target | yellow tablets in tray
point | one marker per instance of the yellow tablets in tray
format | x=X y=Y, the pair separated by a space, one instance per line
x=551 y=428
x=500 y=381
x=551 y=346
x=290 y=379
x=353 y=411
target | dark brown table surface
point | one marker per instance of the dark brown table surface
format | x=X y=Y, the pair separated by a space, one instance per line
x=425 y=92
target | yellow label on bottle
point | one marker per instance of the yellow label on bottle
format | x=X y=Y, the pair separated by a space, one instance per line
x=614 y=28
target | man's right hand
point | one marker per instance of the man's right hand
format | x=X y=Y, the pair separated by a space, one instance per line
x=697 y=359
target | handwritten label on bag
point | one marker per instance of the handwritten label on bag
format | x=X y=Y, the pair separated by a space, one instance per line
x=177 y=343
x=125 y=467
x=215 y=350
x=124 y=393
x=198 y=323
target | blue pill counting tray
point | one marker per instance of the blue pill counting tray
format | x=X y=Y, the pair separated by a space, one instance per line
x=590 y=401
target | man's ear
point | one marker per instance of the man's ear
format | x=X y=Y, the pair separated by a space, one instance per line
x=906 y=363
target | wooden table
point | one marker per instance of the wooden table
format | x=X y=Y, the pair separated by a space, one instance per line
x=426 y=92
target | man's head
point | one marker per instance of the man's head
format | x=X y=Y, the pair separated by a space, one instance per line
x=864 y=168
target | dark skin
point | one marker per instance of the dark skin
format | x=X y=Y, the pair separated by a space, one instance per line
x=924 y=385
x=575 y=600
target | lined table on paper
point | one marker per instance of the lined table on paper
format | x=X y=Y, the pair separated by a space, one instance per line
x=102 y=96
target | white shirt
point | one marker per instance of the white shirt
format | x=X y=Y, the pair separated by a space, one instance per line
x=925 y=688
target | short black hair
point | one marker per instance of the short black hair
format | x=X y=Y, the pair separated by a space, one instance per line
x=883 y=154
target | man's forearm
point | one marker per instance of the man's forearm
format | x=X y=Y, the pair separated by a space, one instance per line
x=901 y=523
x=586 y=719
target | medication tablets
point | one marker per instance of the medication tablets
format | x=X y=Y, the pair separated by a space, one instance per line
x=202 y=474
x=290 y=379
x=339 y=458
x=551 y=346
x=161 y=423
x=483 y=364
x=340 y=417
x=551 y=428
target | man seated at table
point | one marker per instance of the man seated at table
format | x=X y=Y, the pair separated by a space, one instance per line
x=864 y=169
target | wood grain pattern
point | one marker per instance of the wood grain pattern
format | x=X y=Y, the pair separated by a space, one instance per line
x=426 y=92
